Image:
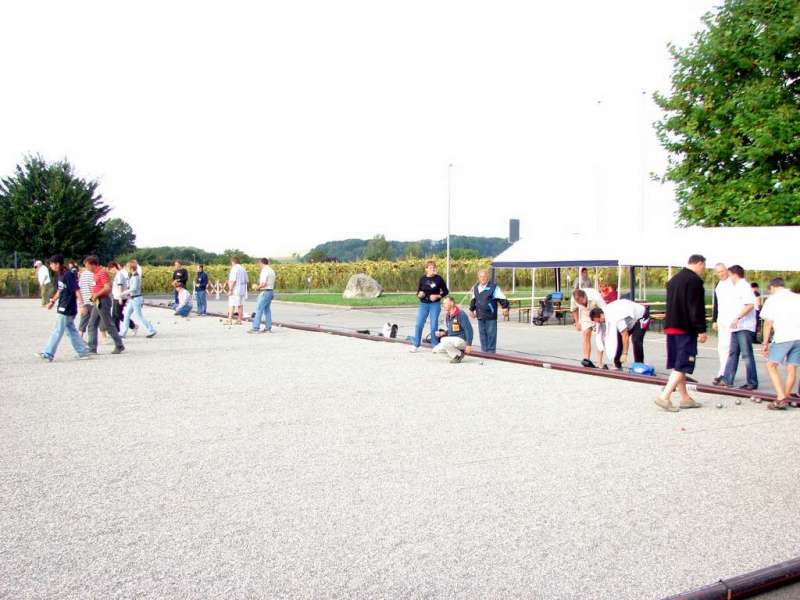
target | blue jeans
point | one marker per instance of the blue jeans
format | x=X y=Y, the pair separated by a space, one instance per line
x=264 y=310
x=425 y=310
x=184 y=310
x=202 y=303
x=134 y=307
x=487 y=329
x=65 y=323
x=741 y=343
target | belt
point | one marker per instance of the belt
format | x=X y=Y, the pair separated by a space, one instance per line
x=137 y=296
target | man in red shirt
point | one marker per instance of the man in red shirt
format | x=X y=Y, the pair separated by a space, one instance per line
x=101 y=307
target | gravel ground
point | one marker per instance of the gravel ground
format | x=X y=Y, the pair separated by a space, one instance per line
x=210 y=463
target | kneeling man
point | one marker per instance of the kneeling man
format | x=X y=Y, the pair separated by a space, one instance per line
x=621 y=322
x=457 y=340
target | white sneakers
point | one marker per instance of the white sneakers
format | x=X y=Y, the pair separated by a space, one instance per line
x=414 y=349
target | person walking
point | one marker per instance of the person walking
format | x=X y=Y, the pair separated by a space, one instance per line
x=743 y=330
x=266 y=287
x=45 y=285
x=134 y=301
x=781 y=315
x=200 y=285
x=684 y=326
x=184 y=305
x=101 y=309
x=581 y=305
x=486 y=296
x=456 y=341
x=430 y=291
x=119 y=285
x=721 y=316
x=68 y=299
x=237 y=290
x=179 y=274
x=620 y=323
x=86 y=283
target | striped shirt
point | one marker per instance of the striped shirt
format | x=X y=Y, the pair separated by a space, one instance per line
x=86 y=282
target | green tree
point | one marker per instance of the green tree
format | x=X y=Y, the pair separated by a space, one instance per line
x=414 y=250
x=732 y=120
x=117 y=239
x=46 y=209
x=378 y=249
x=316 y=255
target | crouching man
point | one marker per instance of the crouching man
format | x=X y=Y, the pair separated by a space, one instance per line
x=622 y=322
x=457 y=340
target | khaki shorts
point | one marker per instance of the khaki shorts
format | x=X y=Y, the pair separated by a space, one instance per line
x=235 y=300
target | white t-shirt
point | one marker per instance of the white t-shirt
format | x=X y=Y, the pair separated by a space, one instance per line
x=741 y=296
x=184 y=298
x=266 y=278
x=43 y=275
x=621 y=315
x=119 y=285
x=726 y=303
x=593 y=300
x=783 y=309
x=237 y=279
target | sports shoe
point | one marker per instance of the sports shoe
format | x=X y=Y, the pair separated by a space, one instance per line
x=83 y=357
x=413 y=349
x=118 y=350
x=720 y=382
x=716 y=381
x=150 y=335
x=459 y=358
x=251 y=330
x=748 y=387
x=44 y=356
x=587 y=363
x=665 y=404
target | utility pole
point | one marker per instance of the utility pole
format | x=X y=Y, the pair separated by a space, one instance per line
x=449 y=202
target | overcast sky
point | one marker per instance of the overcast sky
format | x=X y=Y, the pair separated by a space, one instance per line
x=274 y=126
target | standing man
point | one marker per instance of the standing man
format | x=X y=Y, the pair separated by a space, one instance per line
x=721 y=316
x=237 y=290
x=68 y=298
x=134 y=301
x=200 y=285
x=457 y=340
x=266 y=285
x=86 y=283
x=743 y=330
x=101 y=309
x=179 y=274
x=621 y=322
x=581 y=304
x=684 y=326
x=45 y=286
x=583 y=281
x=781 y=313
x=483 y=306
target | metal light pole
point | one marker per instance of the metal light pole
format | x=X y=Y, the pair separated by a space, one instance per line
x=449 y=202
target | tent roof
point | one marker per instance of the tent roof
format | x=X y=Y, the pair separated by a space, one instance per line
x=755 y=248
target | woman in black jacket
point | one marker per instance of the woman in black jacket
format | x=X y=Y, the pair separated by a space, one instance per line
x=430 y=291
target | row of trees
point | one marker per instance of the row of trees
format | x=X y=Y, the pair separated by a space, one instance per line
x=379 y=248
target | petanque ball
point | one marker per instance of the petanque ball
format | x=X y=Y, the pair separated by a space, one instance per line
x=719 y=404
x=757 y=400
x=738 y=401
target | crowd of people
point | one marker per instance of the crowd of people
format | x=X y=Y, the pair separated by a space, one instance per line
x=109 y=299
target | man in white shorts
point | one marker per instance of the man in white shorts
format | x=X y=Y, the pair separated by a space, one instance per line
x=237 y=290
x=721 y=316
x=582 y=302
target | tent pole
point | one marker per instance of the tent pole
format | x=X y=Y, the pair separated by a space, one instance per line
x=533 y=293
x=632 y=281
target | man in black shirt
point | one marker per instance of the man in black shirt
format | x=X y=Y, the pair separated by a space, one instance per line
x=68 y=298
x=179 y=274
x=685 y=325
x=200 y=285
x=430 y=291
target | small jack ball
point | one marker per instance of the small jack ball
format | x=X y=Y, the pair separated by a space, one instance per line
x=719 y=404
x=738 y=401
x=758 y=400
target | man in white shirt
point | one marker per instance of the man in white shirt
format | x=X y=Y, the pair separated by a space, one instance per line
x=781 y=313
x=743 y=330
x=620 y=322
x=721 y=316
x=266 y=285
x=45 y=283
x=582 y=303
x=237 y=290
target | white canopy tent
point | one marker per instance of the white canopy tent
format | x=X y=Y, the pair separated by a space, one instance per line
x=754 y=248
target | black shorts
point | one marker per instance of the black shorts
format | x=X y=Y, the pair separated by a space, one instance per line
x=681 y=352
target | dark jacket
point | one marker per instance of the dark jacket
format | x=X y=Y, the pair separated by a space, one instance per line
x=458 y=325
x=484 y=304
x=432 y=285
x=201 y=281
x=686 y=303
x=181 y=275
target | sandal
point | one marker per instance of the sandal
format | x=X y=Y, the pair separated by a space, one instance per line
x=778 y=405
